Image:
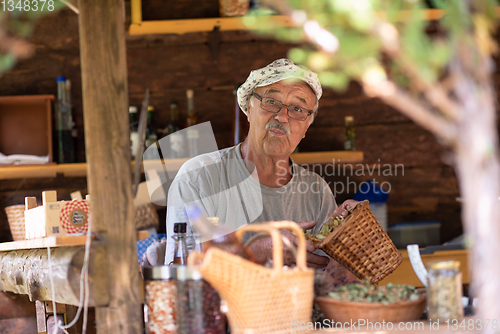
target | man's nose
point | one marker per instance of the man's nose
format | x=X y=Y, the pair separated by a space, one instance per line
x=282 y=115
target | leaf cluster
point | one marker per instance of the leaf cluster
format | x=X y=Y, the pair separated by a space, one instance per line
x=362 y=47
x=367 y=292
x=18 y=23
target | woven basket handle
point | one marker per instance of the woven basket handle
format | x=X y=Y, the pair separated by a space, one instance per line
x=272 y=228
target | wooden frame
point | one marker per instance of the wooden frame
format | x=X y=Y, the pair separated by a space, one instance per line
x=140 y=27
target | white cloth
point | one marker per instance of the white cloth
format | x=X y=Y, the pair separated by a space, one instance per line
x=19 y=159
x=276 y=71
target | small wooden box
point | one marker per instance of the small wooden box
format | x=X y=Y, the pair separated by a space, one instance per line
x=55 y=217
x=26 y=125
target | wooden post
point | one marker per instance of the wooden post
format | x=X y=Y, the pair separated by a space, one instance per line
x=105 y=105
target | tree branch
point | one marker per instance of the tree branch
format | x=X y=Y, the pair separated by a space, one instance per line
x=412 y=108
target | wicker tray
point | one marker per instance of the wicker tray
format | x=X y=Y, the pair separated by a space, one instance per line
x=343 y=311
x=361 y=245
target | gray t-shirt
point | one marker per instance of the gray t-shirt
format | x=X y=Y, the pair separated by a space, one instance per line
x=222 y=185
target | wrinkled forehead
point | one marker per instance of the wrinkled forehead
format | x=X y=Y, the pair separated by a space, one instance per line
x=296 y=87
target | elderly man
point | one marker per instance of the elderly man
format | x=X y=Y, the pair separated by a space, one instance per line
x=257 y=181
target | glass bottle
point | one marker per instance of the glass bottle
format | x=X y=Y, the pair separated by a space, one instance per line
x=134 y=134
x=192 y=133
x=349 y=144
x=151 y=152
x=240 y=123
x=216 y=236
x=444 y=291
x=181 y=249
x=64 y=124
x=176 y=139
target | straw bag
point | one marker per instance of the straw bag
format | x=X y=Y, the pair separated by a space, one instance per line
x=361 y=245
x=260 y=299
x=146 y=216
x=15 y=215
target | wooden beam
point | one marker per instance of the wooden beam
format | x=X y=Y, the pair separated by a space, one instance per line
x=105 y=105
x=208 y=24
x=26 y=272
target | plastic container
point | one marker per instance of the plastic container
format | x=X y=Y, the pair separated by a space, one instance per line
x=421 y=233
x=370 y=190
x=179 y=301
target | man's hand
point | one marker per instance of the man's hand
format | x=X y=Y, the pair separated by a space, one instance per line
x=262 y=249
x=313 y=260
x=343 y=209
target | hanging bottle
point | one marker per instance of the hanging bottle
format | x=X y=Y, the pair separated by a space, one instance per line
x=350 y=136
x=176 y=139
x=181 y=249
x=64 y=123
x=192 y=133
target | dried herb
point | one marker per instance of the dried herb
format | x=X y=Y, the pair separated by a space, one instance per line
x=329 y=226
x=444 y=294
x=367 y=292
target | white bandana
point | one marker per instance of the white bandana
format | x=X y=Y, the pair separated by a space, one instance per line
x=276 y=71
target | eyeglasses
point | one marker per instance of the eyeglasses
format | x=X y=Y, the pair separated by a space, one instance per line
x=274 y=106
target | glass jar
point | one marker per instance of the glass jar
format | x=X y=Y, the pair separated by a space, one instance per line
x=160 y=300
x=444 y=291
x=180 y=301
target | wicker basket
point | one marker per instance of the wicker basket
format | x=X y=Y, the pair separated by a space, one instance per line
x=15 y=215
x=146 y=216
x=343 y=311
x=260 y=299
x=233 y=7
x=361 y=245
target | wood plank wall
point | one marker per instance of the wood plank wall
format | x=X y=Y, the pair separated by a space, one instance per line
x=170 y=64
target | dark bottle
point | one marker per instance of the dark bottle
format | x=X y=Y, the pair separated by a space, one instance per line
x=240 y=122
x=350 y=136
x=192 y=133
x=181 y=249
x=176 y=139
x=151 y=152
x=64 y=123
x=216 y=236
x=134 y=134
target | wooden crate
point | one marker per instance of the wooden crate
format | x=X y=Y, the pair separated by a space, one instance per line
x=26 y=125
x=54 y=217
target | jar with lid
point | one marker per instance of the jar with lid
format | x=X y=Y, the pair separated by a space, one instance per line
x=444 y=291
x=160 y=306
x=179 y=301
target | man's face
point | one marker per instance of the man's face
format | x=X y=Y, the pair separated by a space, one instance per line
x=277 y=134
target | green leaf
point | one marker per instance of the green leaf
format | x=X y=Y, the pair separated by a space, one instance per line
x=336 y=80
x=7 y=61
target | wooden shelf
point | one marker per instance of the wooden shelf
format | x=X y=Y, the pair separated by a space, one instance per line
x=80 y=169
x=208 y=24
x=55 y=241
